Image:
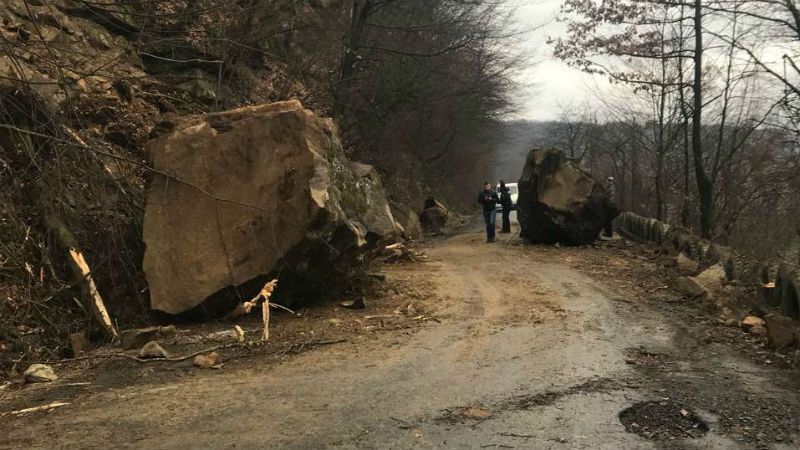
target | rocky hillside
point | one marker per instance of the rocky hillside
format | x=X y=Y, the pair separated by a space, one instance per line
x=83 y=86
x=86 y=85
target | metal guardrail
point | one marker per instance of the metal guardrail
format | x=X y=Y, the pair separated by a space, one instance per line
x=779 y=281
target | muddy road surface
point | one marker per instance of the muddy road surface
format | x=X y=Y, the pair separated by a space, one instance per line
x=520 y=347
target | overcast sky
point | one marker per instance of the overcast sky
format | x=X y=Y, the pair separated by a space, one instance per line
x=548 y=84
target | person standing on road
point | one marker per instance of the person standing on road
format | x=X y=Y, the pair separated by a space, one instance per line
x=505 y=202
x=488 y=198
x=611 y=191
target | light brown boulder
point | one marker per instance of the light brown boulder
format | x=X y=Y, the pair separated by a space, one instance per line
x=780 y=330
x=753 y=323
x=238 y=192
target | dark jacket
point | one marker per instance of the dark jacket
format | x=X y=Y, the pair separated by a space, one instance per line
x=489 y=200
x=505 y=198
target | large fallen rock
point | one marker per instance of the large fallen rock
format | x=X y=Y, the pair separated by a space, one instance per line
x=559 y=202
x=249 y=192
x=408 y=220
x=434 y=216
x=366 y=199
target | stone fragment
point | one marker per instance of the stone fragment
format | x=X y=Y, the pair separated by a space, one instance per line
x=138 y=337
x=79 y=343
x=689 y=287
x=358 y=303
x=754 y=325
x=780 y=330
x=686 y=265
x=39 y=373
x=153 y=350
x=206 y=360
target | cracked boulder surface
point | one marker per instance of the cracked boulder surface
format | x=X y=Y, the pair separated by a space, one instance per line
x=531 y=347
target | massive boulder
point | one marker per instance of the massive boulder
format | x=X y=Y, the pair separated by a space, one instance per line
x=559 y=202
x=246 y=193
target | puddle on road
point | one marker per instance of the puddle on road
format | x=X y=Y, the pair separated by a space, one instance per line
x=662 y=420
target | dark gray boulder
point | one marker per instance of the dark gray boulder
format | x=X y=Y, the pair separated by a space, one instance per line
x=559 y=202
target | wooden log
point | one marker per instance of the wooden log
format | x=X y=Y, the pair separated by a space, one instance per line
x=96 y=303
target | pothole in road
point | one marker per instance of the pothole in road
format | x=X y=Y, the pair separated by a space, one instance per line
x=662 y=420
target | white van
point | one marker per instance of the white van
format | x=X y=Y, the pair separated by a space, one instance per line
x=513 y=189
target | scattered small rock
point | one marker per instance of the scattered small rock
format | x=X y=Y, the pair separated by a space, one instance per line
x=690 y=287
x=354 y=304
x=39 y=373
x=727 y=318
x=378 y=276
x=712 y=277
x=79 y=342
x=685 y=265
x=780 y=330
x=153 y=350
x=207 y=360
x=750 y=322
x=138 y=337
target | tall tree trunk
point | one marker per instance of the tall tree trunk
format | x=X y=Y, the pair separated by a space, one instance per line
x=636 y=182
x=705 y=188
x=660 y=150
x=685 y=129
x=359 y=13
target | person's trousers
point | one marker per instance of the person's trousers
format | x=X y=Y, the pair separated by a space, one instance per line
x=490 y=217
x=506 y=221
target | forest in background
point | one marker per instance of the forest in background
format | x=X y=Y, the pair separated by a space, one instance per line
x=700 y=124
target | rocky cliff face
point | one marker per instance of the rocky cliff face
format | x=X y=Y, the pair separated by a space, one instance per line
x=237 y=192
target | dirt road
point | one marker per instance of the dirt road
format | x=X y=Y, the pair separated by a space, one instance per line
x=531 y=347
